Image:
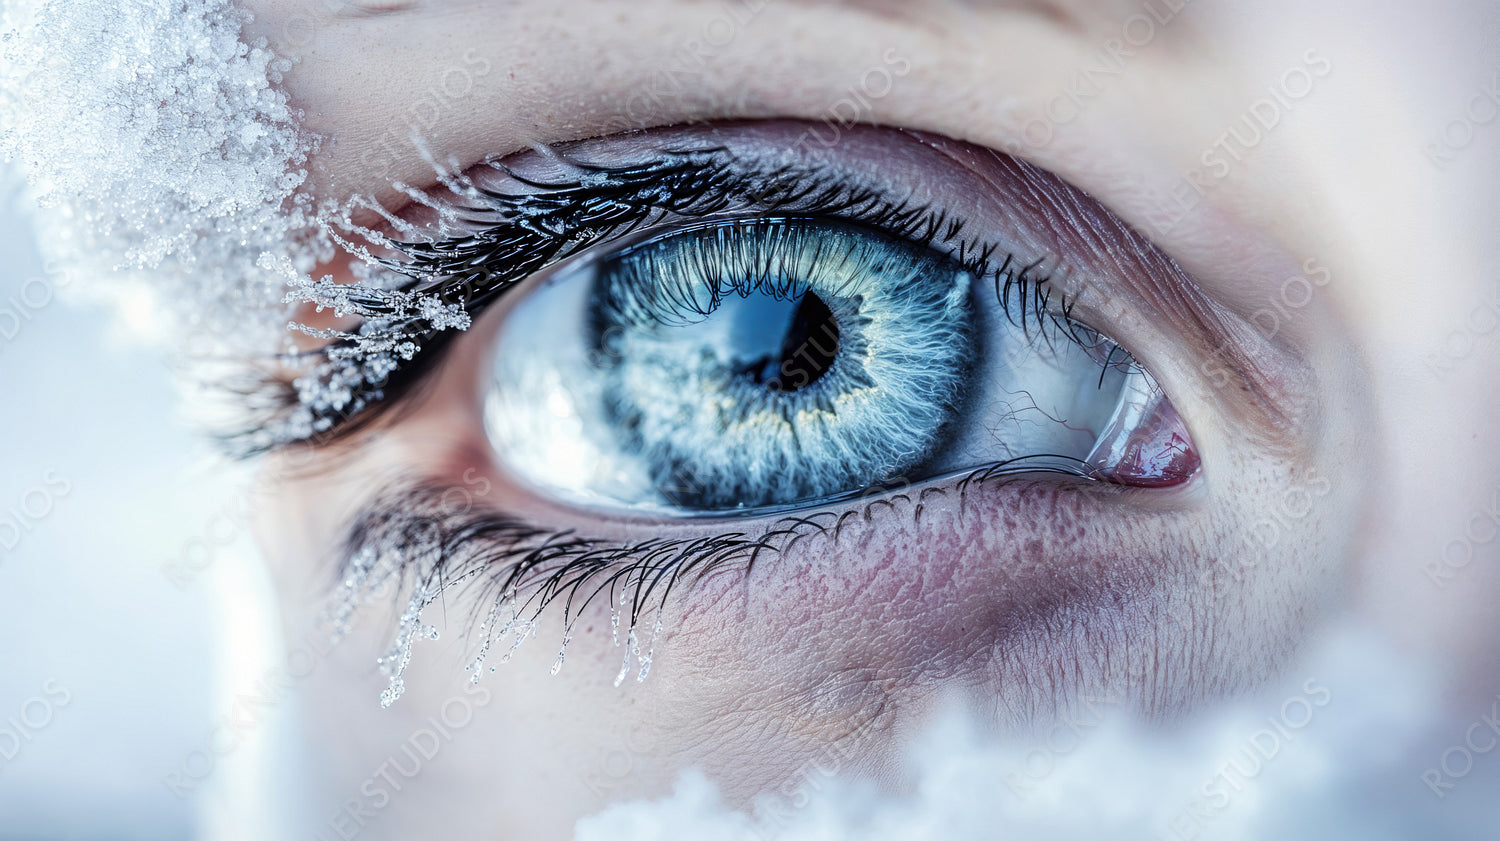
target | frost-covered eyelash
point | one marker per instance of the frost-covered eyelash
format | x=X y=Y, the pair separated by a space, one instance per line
x=410 y=538
x=485 y=248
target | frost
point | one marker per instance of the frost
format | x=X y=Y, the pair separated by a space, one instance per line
x=160 y=156
x=164 y=164
x=386 y=304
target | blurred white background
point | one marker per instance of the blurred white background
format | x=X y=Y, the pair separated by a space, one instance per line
x=122 y=557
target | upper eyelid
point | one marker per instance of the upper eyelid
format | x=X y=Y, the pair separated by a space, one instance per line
x=722 y=180
x=714 y=182
x=727 y=191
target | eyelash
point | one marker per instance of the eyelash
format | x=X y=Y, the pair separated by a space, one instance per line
x=406 y=538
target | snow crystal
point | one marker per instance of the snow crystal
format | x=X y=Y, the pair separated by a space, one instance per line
x=159 y=155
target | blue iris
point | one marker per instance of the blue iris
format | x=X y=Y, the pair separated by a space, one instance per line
x=769 y=361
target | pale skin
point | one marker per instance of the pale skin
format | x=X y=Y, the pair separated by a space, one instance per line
x=1380 y=452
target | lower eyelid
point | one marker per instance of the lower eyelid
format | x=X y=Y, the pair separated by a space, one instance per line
x=986 y=548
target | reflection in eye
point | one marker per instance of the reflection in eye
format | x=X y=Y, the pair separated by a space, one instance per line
x=767 y=362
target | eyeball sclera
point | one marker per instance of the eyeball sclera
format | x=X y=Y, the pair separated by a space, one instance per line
x=751 y=365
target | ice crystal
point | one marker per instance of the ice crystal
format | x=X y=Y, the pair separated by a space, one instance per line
x=562 y=653
x=412 y=628
x=160 y=155
x=646 y=658
x=631 y=650
x=487 y=628
x=410 y=561
x=338 y=617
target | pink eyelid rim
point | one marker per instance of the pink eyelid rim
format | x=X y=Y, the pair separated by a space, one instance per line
x=1157 y=452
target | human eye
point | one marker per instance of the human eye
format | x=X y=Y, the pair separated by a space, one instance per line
x=695 y=348
x=760 y=360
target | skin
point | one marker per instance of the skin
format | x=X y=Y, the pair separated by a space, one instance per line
x=1026 y=595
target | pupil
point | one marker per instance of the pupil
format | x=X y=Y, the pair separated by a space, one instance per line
x=807 y=352
x=810 y=347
